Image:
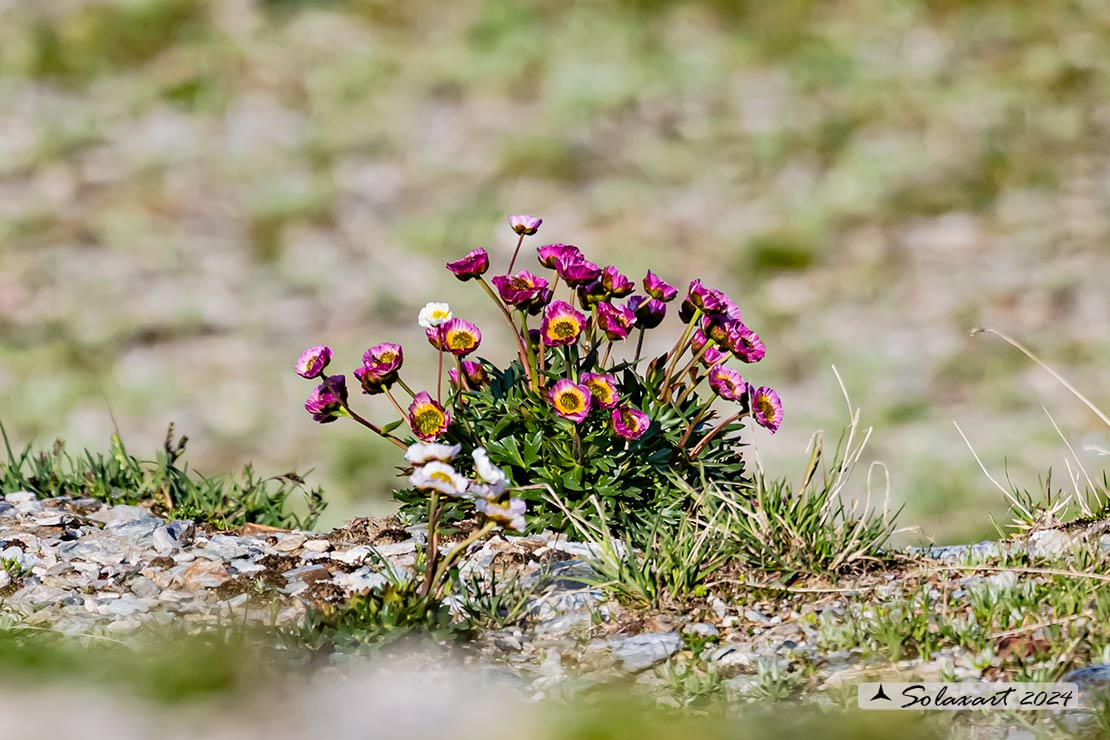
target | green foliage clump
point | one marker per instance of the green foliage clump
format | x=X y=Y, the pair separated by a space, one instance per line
x=171 y=488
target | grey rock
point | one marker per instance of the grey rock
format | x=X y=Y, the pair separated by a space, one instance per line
x=702 y=629
x=360 y=580
x=960 y=553
x=564 y=624
x=640 y=652
x=1049 y=543
x=289 y=542
x=1091 y=676
x=163 y=541
x=317 y=545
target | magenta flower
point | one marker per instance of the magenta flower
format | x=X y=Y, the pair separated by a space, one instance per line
x=727 y=383
x=713 y=355
x=475 y=374
x=435 y=337
x=519 y=289
x=383 y=359
x=562 y=324
x=326 y=401
x=571 y=401
x=615 y=321
x=766 y=407
x=617 y=284
x=629 y=423
x=475 y=263
x=550 y=255
x=427 y=418
x=658 y=288
x=603 y=387
x=312 y=361
x=460 y=337
x=525 y=225
x=578 y=272
x=649 y=312
x=746 y=345
x=709 y=300
x=537 y=304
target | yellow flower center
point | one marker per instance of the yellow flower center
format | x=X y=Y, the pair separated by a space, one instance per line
x=571 y=402
x=428 y=420
x=461 y=339
x=601 y=390
x=564 y=328
x=766 y=408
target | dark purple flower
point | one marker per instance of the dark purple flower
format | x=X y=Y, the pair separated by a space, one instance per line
x=727 y=383
x=578 y=272
x=537 y=304
x=327 y=399
x=460 y=337
x=570 y=400
x=615 y=321
x=550 y=255
x=649 y=312
x=427 y=418
x=592 y=294
x=312 y=361
x=562 y=324
x=766 y=407
x=629 y=423
x=475 y=263
x=658 y=288
x=519 y=289
x=525 y=225
x=617 y=284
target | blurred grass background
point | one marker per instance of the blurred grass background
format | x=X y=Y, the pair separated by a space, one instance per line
x=191 y=191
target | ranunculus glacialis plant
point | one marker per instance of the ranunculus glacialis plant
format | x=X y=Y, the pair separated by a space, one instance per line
x=580 y=411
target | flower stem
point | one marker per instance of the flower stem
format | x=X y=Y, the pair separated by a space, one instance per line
x=677 y=352
x=453 y=555
x=521 y=352
x=365 y=422
x=608 y=349
x=439 y=375
x=515 y=253
x=463 y=383
x=403 y=384
x=404 y=416
x=431 y=551
x=639 y=346
x=700 y=446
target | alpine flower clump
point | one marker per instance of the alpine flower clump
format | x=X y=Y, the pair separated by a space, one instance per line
x=592 y=406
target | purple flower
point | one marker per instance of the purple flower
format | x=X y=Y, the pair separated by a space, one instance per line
x=535 y=338
x=551 y=255
x=460 y=337
x=615 y=321
x=383 y=359
x=435 y=337
x=658 y=288
x=629 y=423
x=519 y=289
x=509 y=514
x=525 y=225
x=578 y=272
x=562 y=324
x=649 y=312
x=475 y=263
x=592 y=294
x=474 y=373
x=326 y=401
x=727 y=383
x=427 y=418
x=746 y=345
x=713 y=355
x=618 y=285
x=312 y=361
x=709 y=300
x=571 y=401
x=603 y=387
x=766 y=407
x=537 y=304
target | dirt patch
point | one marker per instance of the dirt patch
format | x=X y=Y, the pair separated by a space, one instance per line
x=369 y=531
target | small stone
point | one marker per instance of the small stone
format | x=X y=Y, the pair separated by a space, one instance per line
x=308 y=573
x=1049 y=543
x=317 y=545
x=564 y=624
x=360 y=580
x=702 y=629
x=204 y=574
x=753 y=616
x=5 y=579
x=50 y=520
x=163 y=541
x=289 y=542
x=354 y=556
x=640 y=652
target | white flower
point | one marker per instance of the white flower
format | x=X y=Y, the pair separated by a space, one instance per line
x=488 y=491
x=441 y=477
x=509 y=515
x=434 y=314
x=422 y=452
x=487 y=471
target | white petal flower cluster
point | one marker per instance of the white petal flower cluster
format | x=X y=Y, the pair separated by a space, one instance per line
x=433 y=471
x=434 y=314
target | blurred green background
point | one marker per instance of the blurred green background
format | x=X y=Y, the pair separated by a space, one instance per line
x=191 y=191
